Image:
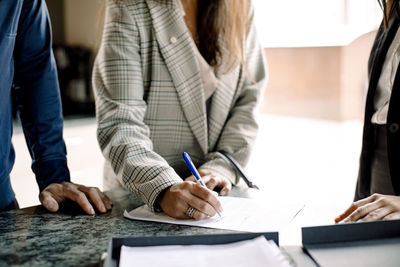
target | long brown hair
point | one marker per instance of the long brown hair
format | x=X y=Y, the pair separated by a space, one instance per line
x=223 y=24
x=388 y=7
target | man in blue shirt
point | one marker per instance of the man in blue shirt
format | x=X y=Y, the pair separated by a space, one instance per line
x=29 y=71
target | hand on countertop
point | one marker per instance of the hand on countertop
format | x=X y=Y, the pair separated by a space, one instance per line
x=54 y=194
x=373 y=208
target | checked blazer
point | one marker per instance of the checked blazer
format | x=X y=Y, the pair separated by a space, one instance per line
x=150 y=104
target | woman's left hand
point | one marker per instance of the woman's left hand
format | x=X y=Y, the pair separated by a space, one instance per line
x=212 y=180
x=373 y=208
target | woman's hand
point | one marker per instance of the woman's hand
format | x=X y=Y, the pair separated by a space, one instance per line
x=373 y=208
x=181 y=196
x=212 y=180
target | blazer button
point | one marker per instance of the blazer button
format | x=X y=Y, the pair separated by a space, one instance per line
x=173 y=39
x=394 y=127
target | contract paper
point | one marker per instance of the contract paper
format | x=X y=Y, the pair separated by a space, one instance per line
x=255 y=252
x=240 y=214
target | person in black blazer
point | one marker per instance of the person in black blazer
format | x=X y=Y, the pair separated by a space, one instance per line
x=378 y=186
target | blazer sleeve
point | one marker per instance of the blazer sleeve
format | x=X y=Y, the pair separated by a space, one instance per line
x=123 y=136
x=240 y=130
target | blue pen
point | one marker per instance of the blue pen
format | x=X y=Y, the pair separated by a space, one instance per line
x=194 y=171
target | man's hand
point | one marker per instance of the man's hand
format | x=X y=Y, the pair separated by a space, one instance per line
x=212 y=180
x=54 y=194
x=373 y=208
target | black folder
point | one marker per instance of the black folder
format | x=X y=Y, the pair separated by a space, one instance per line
x=354 y=244
x=115 y=244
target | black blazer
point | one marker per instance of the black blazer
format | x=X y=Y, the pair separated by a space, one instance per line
x=377 y=57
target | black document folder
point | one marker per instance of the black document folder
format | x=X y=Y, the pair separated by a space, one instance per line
x=115 y=244
x=354 y=244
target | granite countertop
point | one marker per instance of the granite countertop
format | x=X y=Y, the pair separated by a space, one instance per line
x=33 y=236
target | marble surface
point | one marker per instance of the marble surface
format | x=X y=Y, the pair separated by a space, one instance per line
x=35 y=237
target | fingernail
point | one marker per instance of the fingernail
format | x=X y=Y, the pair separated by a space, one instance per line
x=50 y=205
x=91 y=211
x=102 y=208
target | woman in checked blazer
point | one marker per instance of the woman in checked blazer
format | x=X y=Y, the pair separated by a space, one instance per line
x=173 y=76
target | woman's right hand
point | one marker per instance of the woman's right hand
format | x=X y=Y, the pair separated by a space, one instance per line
x=181 y=196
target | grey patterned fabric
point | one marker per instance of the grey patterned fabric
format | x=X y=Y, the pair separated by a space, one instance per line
x=150 y=102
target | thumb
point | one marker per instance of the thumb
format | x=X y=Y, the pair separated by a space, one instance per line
x=48 y=201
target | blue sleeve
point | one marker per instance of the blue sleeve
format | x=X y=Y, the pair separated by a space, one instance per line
x=38 y=96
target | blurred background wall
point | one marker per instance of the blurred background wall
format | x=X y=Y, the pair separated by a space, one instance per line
x=316 y=51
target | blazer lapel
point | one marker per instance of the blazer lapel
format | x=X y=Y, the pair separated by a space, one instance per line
x=221 y=105
x=381 y=45
x=174 y=42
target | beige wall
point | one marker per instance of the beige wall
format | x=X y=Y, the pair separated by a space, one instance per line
x=81 y=22
x=354 y=76
x=318 y=82
x=303 y=82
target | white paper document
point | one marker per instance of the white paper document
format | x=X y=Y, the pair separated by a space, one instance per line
x=240 y=214
x=254 y=252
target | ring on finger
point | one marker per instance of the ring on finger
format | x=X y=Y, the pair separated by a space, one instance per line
x=190 y=212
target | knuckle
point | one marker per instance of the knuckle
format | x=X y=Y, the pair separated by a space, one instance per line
x=208 y=196
x=356 y=215
x=57 y=187
x=383 y=201
x=93 y=190
x=353 y=206
x=359 y=211
x=376 y=215
x=179 y=194
x=186 y=184
x=202 y=206
x=213 y=180
x=376 y=196
x=373 y=215
x=81 y=197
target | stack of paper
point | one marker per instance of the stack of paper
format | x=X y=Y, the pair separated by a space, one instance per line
x=254 y=252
